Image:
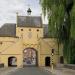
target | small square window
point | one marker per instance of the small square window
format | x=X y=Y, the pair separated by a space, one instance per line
x=1 y=43
x=21 y=29
x=37 y=30
x=29 y=29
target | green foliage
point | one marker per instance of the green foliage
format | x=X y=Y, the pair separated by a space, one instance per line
x=69 y=51
x=72 y=51
x=72 y=30
x=57 y=10
x=73 y=22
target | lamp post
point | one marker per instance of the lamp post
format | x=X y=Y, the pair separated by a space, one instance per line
x=52 y=53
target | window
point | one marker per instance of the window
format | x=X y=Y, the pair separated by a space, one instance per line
x=1 y=43
x=21 y=29
x=37 y=30
x=29 y=29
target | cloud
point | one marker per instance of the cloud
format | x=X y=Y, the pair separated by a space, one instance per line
x=8 y=9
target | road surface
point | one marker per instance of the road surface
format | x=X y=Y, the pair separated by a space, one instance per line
x=30 y=71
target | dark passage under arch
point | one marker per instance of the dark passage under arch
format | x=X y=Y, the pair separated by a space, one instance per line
x=12 y=62
x=61 y=59
x=47 y=61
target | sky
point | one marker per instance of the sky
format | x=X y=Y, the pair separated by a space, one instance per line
x=8 y=9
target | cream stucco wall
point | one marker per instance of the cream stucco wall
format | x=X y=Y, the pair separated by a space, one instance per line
x=28 y=38
x=4 y=59
x=29 y=35
x=11 y=47
x=47 y=44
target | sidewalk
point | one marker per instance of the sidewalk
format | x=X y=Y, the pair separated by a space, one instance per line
x=6 y=71
x=60 y=71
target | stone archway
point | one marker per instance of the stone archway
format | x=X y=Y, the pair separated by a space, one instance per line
x=47 y=61
x=61 y=59
x=12 y=62
x=29 y=57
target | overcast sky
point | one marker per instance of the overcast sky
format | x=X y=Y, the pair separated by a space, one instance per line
x=8 y=9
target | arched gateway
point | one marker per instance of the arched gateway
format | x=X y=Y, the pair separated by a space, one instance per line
x=29 y=57
x=12 y=61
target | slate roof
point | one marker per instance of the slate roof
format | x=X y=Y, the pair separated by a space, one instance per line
x=29 y=21
x=8 y=30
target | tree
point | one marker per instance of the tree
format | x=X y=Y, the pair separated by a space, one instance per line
x=55 y=11
x=60 y=21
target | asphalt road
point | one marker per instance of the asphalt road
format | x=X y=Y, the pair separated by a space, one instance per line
x=29 y=71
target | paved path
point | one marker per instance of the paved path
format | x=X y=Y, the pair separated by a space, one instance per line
x=5 y=71
x=36 y=71
x=29 y=71
x=60 y=71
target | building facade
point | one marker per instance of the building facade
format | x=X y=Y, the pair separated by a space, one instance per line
x=24 y=43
